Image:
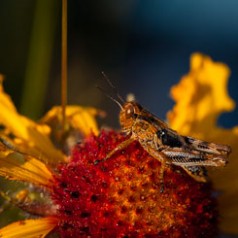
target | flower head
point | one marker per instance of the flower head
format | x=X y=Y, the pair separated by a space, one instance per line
x=122 y=197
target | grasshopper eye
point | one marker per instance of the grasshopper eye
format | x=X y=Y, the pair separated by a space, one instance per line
x=130 y=110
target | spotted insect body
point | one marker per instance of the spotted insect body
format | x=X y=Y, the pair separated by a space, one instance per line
x=165 y=144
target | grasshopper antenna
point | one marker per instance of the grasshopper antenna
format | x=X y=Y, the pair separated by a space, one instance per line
x=113 y=88
x=109 y=96
x=118 y=101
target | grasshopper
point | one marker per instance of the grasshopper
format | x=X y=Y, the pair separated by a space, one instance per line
x=165 y=144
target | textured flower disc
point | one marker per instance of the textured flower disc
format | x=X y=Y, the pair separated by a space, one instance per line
x=121 y=197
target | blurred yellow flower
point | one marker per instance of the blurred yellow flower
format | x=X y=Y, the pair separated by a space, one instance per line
x=200 y=97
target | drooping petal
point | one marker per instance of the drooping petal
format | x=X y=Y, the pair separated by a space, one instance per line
x=79 y=118
x=203 y=88
x=31 y=228
x=79 y=123
x=16 y=166
x=200 y=97
x=31 y=137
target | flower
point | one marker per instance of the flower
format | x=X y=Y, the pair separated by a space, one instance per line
x=120 y=197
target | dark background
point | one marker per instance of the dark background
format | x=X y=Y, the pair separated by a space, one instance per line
x=143 y=47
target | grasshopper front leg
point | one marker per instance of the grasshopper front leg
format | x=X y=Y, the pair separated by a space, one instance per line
x=119 y=147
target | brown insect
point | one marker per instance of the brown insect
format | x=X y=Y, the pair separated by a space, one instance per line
x=165 y=144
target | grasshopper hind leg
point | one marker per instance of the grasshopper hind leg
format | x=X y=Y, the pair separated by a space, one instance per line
x=161 y=175
x=199 y=173
x=165 y=161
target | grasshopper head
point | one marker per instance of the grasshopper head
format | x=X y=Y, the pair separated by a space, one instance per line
x=128 y=115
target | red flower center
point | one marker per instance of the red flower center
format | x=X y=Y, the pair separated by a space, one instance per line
x=121 y=197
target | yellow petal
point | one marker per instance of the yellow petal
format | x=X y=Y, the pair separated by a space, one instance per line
x=31 y=137
x=16 y=166
x=79 y=123
x=204 y=87
x=201 y=96
x=31 y=228
x=79 y=118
